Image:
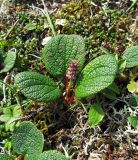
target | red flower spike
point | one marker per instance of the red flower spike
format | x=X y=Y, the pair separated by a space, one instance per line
x=70 y=77
x=72 y=70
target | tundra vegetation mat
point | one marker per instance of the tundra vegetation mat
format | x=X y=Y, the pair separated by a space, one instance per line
x=69 y=79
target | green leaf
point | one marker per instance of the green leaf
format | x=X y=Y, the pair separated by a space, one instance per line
x=61 y=50
x=10 y=114
x=9 y=61
x=113 y=87
x=30 y=26
x=96 y=76
x=52 y=155
x=16 y=111
x=111 y=91
x=7 y=114
x=109 y=94
x=95 y=115
x=3 y=44
x=133 y=101
x=7 y=145
x=12 y=111
x=27 y=139
x=37 y=87
x=133 y=120
x=131 y=57
x=10 y=126
x=121 y=65
x=5 y=157
x=4 y=118
x=7 y=111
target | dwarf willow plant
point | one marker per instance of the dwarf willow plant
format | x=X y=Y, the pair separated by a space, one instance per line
x=61 y=55
x=57 y=55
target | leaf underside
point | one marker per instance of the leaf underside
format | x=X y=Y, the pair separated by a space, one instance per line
x=37 y=87
x=96 y=76
x=60 y=50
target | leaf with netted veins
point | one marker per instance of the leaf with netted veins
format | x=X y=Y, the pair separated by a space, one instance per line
x=37 y=87
x=52 y=155
x=96 y=76
x=27 y=139
x=61 y=50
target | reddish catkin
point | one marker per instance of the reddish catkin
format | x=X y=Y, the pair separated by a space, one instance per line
x=71 y=75
x=72 y=70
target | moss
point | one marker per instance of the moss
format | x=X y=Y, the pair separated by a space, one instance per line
x=99 y=26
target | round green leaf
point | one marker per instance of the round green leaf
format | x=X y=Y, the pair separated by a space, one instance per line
x=52 y=155
x=37 y=87
x=27 y=139
x=60 y=50
x=95 y=115
x=96 y=76
x=5 y=157
x=131 y=56
x=133 y=120
x=133 y=100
